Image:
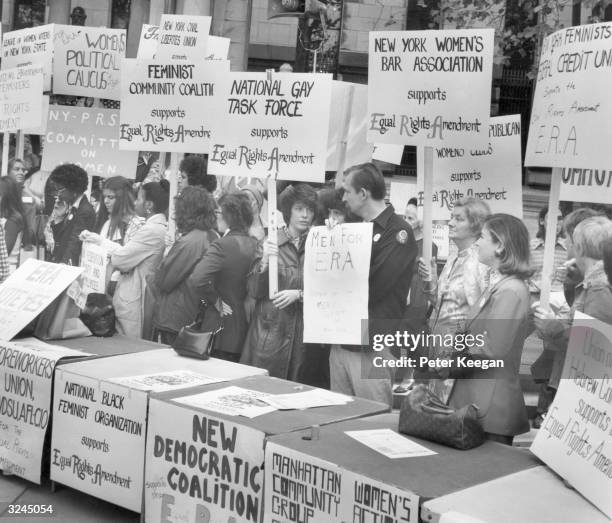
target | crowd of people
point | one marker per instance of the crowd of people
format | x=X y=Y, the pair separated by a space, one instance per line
x=219 y=263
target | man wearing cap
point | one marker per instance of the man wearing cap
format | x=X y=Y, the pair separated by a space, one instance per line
x=394 y=251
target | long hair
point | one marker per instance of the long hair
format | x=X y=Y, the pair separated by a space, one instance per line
x=10 y=199
x=123 y=210
x=512 y=235
x=195 y=208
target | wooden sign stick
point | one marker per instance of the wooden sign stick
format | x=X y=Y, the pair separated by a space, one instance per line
x=272 y=237
x=174 y=165
x=344 y=131
x=551 y=238
x=427 y=203
x=6 y=140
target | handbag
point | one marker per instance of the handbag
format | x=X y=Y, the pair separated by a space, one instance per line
x=98 y=315
x=194 y=343
x=425 y=416
x=60 y=320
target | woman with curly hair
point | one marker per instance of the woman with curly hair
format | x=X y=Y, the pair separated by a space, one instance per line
x=195 y=220
x=220 y=277
x=275 y=337
x=192 y=173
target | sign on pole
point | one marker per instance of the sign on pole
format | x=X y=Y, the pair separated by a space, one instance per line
x=89 y=138
x=182 y=37
x=94 y=260
x=149 y=37
x=336 y=272
x=30 y=47
x=87 y=61
x=21 y=101
x=430 y=87
x=575 y=437
x=170 y=106
x=571 y=107
x=267 y=126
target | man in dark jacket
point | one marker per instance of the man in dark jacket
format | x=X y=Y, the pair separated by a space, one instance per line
x=394 y=251
x=71 y=182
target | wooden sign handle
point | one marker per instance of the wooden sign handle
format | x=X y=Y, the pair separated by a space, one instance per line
x=427 y=203
x=272 y=237
x=551 y=238
x=6 y=140
x=344 y=131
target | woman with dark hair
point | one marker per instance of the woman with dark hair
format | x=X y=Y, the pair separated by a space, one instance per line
x=256 y=199
x=18 y=171
x=274 y=340
x=220 y=278
x=192 y=172
x=13 y=215
x=138 y=257
x=501 y=321
x=195 y=221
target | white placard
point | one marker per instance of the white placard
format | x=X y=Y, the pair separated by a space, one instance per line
x=182 y=37
x=336 y=273
x=217 y=48
x=21 y=91
x=277 y=127
x=430 y=87
x=390 y=443
x=147 y=47
x=492 y=173
x=165 y=381
x=169 y=107
x=358 y=150
x=94 y=260
x=31 y=47
x=87 y=61
x=294 y=478
x=42 y=128
x=231 y=486
x=26 y=372
x=26 y=293
x=388 y=152
x=571 y=106
x=232 y=401
x=586 y=185
x=575 y=439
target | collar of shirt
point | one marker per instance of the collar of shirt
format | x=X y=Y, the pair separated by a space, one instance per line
x=77 y=202
x=595 y=275
x=383 y=218
x=538 y=243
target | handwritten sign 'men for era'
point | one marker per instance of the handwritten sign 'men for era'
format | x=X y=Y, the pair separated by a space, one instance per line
x=430 y=87
x=336 y=271
x=169 y=106
x=87 y=137
x=575 y=439
x=87 y=61
x=272 y=126
x=572 y=106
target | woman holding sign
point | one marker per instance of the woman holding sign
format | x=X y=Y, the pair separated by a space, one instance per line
x=275 y=337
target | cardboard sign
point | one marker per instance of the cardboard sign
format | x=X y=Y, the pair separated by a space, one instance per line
x=575 y=439
x=295 y=480
x=21 y=91
x=491 y=173
x=430 y=87
x=87 y=61
x=31 y=47
x=26 y=371
x=336 y=272
x=169 y=107
x=217 y=48
x=149 y=37
x=94 y=260
x=358 y=150
x=26 y=293
x=586 y=185
x=571 y=100
x=388 y=152
x=42 y=128
x=225 y=484
x=272 y=127
x=182 y=37
x=87 y=137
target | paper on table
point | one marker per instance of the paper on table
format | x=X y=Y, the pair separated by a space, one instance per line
x=163 y=381
x=307 y=399
x=389 y=443
x=234 y=401
x=458 y=517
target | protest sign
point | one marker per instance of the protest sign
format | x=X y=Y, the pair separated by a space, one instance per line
x=26 y=293
x=586 y=185
x=293 y=479
x=217 y=48
x=575 y=439
x=571 y=100
x=94 y=260
x=21 y=91
x=89 y=138
x=182 y=37
x=227 y=482
x=336 y=272
x=388 y=152
x=169 y=107
x=358 y=150
x=31 y=47
x=275 y=126
x=26 y=370
x=430 y=87
x=87 y=61
x=492 y=172
x=147 y=47
x=42 y=128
